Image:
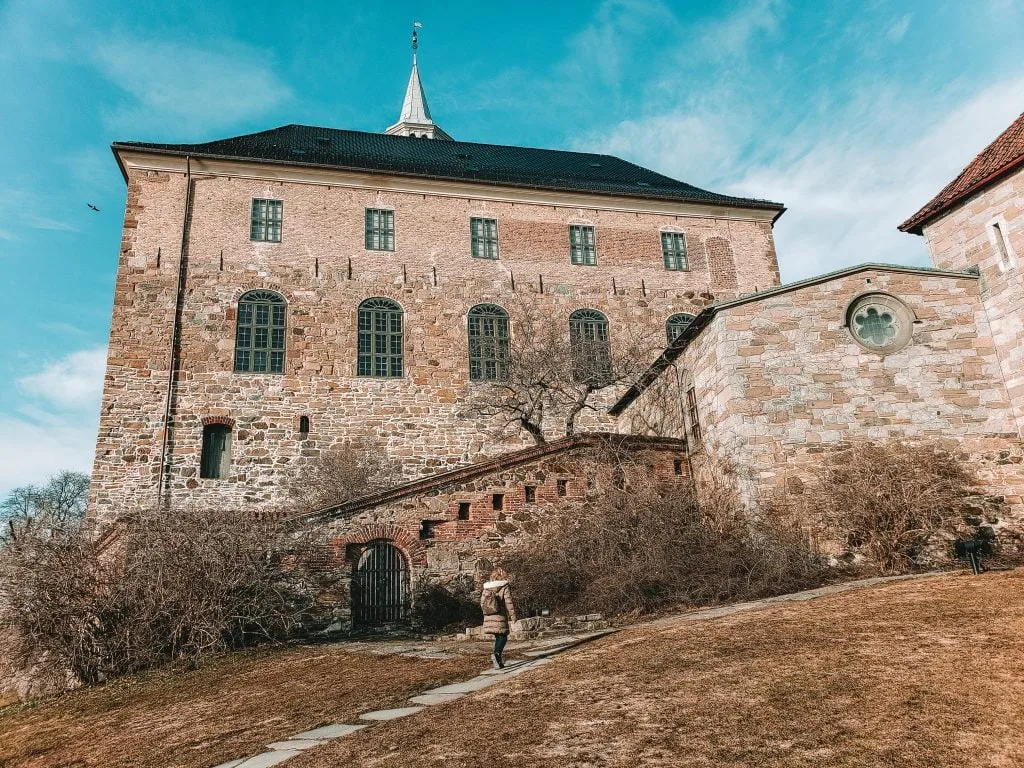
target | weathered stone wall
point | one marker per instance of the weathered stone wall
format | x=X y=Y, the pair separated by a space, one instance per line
x=451 y=548
x=324 y=272
x=964 y=238
x=779 y=379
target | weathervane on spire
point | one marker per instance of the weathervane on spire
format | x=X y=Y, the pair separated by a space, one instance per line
x=415 y=37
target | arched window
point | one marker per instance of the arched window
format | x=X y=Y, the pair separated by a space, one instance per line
x=215 y=462
x=488 y=343
x=677 y=324
x=259 y=334
x=380 y=339
x=589 y=346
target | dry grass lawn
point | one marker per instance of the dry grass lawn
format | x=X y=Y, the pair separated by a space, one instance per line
x=203 y=717
x=911 y=674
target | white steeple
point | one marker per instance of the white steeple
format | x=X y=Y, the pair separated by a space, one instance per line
x=415 y=118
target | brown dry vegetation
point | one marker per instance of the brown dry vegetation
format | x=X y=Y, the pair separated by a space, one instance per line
x=174 y=718
x=921 y=673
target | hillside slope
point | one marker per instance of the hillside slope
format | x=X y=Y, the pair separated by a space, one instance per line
x=917 y=673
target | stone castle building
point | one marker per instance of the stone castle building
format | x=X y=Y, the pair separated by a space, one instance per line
x=281 y=292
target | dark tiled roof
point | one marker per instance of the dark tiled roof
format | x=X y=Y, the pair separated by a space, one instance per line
x=458 y=160
x=998 y=158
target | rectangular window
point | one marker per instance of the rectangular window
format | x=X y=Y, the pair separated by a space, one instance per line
x=427 y=529
x=498 y=501
x=266 y=221
x=582 y=249
x=463 y=510
x=691 y=409
x=563 y=487
x=677 y=466
x=483 y=237
x=1000 y=238
x=380 y=229
x=215 y=462
x=530 y=493
x=673 y=250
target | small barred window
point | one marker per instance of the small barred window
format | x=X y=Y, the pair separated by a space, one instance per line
x=673 y=251
x=488 y=343
x=380 y=339
x=260 y=333
x=676 y=324
x=483 y=235
x=265 y=225
x=215 y=461
x=582 y=248
x=380 y=229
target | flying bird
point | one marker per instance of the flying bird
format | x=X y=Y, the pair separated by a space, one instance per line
x=93 y=207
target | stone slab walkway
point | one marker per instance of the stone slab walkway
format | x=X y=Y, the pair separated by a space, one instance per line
x=287 y=748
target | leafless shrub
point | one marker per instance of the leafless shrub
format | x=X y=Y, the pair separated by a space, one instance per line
x=354 y=468
x=443 y=606
x=176 y=585
x=634 y=545
x=897 y=502
x=550 y=376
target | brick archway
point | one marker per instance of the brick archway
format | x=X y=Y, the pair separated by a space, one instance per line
x=401 y=538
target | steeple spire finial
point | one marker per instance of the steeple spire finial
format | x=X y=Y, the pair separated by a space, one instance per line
x=415 y=118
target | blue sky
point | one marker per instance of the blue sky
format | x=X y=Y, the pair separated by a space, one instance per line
x=851 y=113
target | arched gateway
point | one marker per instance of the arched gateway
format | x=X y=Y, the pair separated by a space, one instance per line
x=380 y=585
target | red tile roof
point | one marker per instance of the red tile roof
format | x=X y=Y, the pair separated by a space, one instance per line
x=998 y=158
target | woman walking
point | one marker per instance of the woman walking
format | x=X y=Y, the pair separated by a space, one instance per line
x=499 y=612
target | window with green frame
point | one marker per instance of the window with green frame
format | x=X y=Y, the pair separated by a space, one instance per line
x=380 y=229
x=673 y=250
x=676 y=324
x=483 y=238
x=488 y=343
x=265 y=223
x=582 y=248
x=381 y=340
x=260 y=333
x=589 y=347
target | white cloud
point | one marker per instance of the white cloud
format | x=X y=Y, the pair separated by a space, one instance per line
x=197 y=88
x=74 y=382
x=36 y=221
x=32 y=451
x=732 y=35
x=898 y=29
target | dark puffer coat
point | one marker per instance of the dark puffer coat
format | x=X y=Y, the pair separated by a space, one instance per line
x=498 y=623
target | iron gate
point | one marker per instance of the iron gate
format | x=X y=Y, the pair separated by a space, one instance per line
x=380 y=586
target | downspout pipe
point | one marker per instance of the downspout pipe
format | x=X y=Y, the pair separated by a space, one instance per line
x=162 y=488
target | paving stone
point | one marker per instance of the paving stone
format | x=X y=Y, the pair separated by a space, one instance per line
x=297 y=744
x=475 y=684
x=268 y=759
x=231 y=763
x=429 y=699
x=327 y=732
x=390 y=714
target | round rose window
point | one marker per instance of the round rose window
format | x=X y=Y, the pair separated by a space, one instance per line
x=880 y=323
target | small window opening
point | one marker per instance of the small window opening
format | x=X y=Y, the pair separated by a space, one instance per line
x=427 y=529
x=498 y=501
x=1004 y=252
x=677 y=466
x=530 y=493
x=463 y=510
x=303 y=426
x=215 y=462
x=693 y=413
x=563 y=487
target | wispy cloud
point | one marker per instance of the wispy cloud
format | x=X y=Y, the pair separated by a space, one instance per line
x=899 y=28
x=74 y=382
x=194 y=88
x=37 y=221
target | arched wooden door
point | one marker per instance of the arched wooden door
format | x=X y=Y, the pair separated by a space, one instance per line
x=380 y=586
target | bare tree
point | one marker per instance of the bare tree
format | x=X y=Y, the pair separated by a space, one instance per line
x=353 y=468
x=61 y=500
x=554 y=371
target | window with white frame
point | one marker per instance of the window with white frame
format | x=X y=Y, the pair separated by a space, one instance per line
x=483 y=236
x=380 y=229
x=582 y=247
x=673 y=251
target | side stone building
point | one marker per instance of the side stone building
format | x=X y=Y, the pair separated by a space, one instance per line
x=282 y=292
